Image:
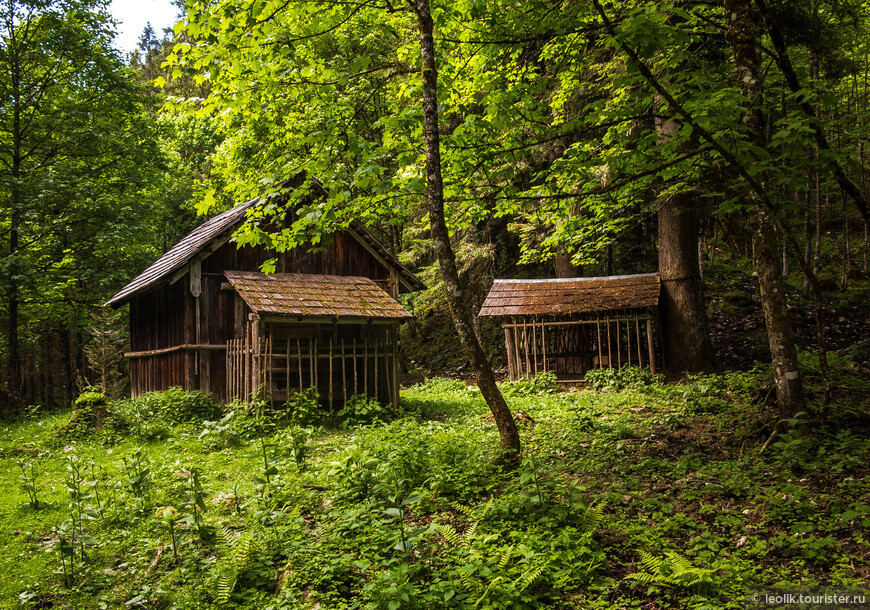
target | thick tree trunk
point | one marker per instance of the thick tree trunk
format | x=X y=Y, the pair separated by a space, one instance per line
x=66 y=367
x=457 y=299
x=563 y=266
x=685 y=336
x=743 y=38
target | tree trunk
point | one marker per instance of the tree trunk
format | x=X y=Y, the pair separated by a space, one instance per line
x=66 y=367
x=563 y=266
x=685 y=337
x=457 y=299
x=743 y=37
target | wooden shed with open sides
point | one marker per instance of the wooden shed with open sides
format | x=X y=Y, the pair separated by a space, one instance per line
x=571 y=325
x=203 y=317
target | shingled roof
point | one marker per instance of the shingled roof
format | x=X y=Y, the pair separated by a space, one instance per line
x=320 y=296
x=564 y=296
x=221 y=227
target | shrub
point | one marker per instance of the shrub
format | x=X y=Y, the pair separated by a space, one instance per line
x=304 y=408
x=540 y=384
x=362 y=409
x=618 y=379
x=175 y=406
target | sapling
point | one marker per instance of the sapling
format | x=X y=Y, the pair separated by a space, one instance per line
x=195 y=502
x=28 y=478
x=169 y=516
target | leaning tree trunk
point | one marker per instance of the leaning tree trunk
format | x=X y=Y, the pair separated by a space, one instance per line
x=743 y=38
x=457 y=300
x=686 y=344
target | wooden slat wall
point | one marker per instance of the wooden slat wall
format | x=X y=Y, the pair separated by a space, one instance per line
x=570 y=347
x=339 y=361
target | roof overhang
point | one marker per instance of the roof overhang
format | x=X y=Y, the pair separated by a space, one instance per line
x=567 y=296
x=324 y=298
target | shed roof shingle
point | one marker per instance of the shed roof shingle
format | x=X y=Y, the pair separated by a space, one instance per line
x=320 y=296
x=223 y=225
x=564 y=296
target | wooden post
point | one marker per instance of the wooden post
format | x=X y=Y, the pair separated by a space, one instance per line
x=255 y=355
x=600 y=354
x=311 y=363
x=287 y=367
x=299 y=354
x=518 y=360
x=355 y=385
x=227 y=359
x=526 y=348
x=316 y=367
x=343 y=374
x=330 y=374
x=649 y=341
x=544 y=345
x=609 y=351
x=366 y=364
x=618 y=346
x=637 y=337
x=628 y=335
x=243 y=380
x=535 y=346
x=375 y=366
x=509 y=348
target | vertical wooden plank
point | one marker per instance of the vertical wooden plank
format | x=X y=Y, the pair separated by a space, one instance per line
x=544 y=345
x=609 y=352
x=649 y=341
x=287 y=368
x=535 y=345
x=316 y=366
x=366 y=363
x=256 y=357
x=245 y=366
x=376 y=367
x=343 y=374
x=227 y=358
x=618 y=346
x=299 y=354
x=637 y=341
x=330 y=373
x=355 y=384
x=628 y=335
x=517 y=349
x=600 y=353
x=311 y=363
x=526 y=348
x=509 y=348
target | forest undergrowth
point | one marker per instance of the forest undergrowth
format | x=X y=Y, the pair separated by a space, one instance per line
x=630 y=494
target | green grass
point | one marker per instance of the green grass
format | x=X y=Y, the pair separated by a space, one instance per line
x=652 y=494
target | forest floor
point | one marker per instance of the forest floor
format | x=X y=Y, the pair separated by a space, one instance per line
x=630 y=494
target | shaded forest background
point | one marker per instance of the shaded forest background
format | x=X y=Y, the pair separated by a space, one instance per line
x=562 y=156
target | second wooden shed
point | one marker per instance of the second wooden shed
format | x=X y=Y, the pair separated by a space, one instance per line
x=571 y=325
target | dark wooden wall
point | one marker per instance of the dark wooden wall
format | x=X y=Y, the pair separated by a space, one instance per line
x=166 y=317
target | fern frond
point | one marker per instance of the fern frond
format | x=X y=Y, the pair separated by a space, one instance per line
x=506 y=554
x=467 y=580
x=468 y=511
x=533 y=574
x=470 y=533
x=450 y=534
x=236 y=562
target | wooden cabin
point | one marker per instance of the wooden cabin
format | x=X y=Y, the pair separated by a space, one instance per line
x=203 y=317
x=571 y=325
